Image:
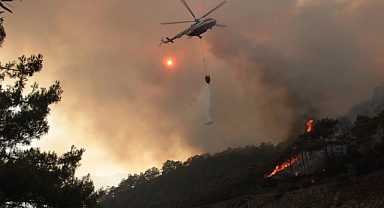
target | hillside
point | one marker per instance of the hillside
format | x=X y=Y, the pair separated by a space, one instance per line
x=201 y=183
x=365 y=191
x=199 y=180
x=339 y=162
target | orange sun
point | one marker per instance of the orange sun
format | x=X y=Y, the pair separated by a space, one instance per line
x=169 y=62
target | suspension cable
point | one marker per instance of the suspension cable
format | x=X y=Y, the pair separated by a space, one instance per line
x=202 y=51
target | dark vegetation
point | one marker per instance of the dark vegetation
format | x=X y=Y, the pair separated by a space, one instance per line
x=29 y=177
x=199 y=180
x=334 y=150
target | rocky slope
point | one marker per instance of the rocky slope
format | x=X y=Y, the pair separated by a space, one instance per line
x=365 y=191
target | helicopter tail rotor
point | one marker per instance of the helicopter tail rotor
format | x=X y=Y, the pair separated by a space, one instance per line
x=168 y=40
x=161 y=41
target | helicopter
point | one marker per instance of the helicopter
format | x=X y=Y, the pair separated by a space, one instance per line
x=199 y=26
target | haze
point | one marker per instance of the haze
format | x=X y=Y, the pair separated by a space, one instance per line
x=276 y=64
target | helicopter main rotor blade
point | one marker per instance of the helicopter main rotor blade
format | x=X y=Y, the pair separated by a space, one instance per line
x=220 y=25
x=189 y=9
x=168 y=23
x=221 y=4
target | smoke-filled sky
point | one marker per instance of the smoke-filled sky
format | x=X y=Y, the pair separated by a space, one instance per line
x=276 y=64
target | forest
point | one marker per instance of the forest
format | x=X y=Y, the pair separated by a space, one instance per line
x=333 y=148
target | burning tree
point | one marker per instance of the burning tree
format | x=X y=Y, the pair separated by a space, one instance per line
x=283 y=166
x=318 y=135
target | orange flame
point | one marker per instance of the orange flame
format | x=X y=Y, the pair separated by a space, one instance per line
x=309 y=125
x=282 y=166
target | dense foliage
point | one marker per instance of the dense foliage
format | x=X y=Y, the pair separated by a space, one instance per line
x=199 y=180
x=29 y=177
x=40 y=178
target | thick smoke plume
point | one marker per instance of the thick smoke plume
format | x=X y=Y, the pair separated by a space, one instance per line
x=316 y=63
x=277 y=64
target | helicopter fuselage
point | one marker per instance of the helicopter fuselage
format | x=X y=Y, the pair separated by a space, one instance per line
x=201 y=27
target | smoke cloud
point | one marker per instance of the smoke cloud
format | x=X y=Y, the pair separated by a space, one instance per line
x=275 y=65
x=309 y=58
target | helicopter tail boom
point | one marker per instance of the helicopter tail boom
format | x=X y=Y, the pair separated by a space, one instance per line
x=166 y=41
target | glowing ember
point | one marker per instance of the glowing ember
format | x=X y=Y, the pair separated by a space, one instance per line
x=282 y=166
x=309 y=125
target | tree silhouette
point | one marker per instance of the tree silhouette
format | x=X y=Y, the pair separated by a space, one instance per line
x=29 y=177
x=325 y=130
x=364 y=129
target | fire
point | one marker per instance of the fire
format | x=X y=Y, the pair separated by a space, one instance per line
x=282 y=166
x=309 y=125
